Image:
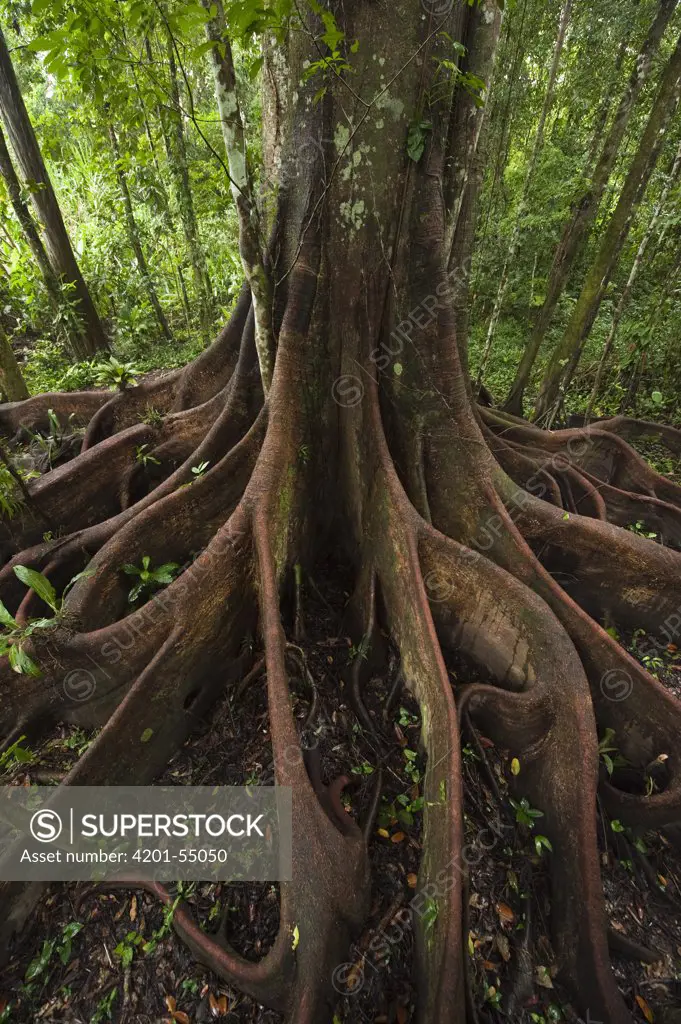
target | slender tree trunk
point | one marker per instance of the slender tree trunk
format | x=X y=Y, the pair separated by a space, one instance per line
x=468 y=125
x=525 y=195
x=23 y=215
x=638 y=358
x=615 y=234
x=61 y=256
x=251 y=243
x=585 y=210
x=179 y=168
x=133 y=235
x=631 y=280
x=605 y=107
x=11 y=381
x=501 y=157
x=464 y=168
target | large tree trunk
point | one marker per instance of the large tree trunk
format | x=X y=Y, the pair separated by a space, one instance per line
x=86 y=341
x=133 y=235
x=584 y=211
x=566 y=354
x=525 y=194
x=369 y=446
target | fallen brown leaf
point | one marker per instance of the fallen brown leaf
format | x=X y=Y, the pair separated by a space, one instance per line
x=544 y=978
x=503 y=946
x=645 y=1009
x=505 y=913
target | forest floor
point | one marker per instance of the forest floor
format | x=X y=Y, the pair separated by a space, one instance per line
x=94 y=956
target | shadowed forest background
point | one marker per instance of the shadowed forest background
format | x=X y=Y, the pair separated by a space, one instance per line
x=131 y=137
x=326 y=500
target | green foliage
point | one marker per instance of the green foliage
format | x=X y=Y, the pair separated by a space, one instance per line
x=417 y=136
x=104 y=1010
x=63 y=947
x=16 y=754
x=14 y=635
x=524 y=814
x=639 y=528
x=148 y=579
x=430 y=912
x=11 y=498
x=609 y=752
x=55 y=441
x=144 y=457
x=402 y=809
x=113 y=373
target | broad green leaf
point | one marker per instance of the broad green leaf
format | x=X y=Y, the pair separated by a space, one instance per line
x=5 y=618
x=39 y=583
x=21 y=662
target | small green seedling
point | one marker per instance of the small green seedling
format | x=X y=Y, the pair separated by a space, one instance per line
x=360 y=650
x=198 y=471
x=411 y=769
x=407 y=719
x=429 y=913
x=149 y=579
x=104 y=1010
x=16 y=754
x=125 y=950
x=541 y=843
x=524 y=814
x=640 y=529
x=606 y=748
x=153 y=417
x=144 y=457
x=14 y=635
x=11 y=498
x=114 y=374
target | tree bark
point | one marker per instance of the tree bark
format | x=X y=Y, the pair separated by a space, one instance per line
x=251 y=241
x=672 y=178
x=525 y=194
x=62 y=259
x=598 y=276
x=585 y=210
x=11 y=380
x=133 y=235
x=23 y=215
